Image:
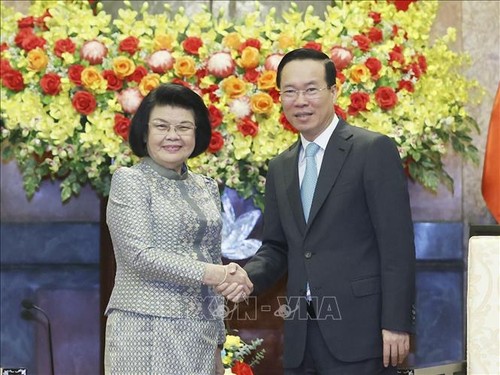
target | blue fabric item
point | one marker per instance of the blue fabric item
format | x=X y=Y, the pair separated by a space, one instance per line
x=310 y=178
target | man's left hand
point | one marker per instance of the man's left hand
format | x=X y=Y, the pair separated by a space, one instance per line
x=396 y=346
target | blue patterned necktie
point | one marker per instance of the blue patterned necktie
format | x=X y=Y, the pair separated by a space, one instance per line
x=310 y=178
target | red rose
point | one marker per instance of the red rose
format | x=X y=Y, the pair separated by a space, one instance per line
x=114 y=83
x=396 y=55
x=359 y=100
x=31 y=41
x=251 y=75
x=401 y=4
x=84 y=102
x=341 y=57
x=422 y=62
x=129 y=44
x=75 y=73
x=251 y=42
x=215 y=116
x=374 y=65
x=313 y=45
x=241 y=368
x=414 y=68
x=122 y=126
x=341 y=77
x=275 y=94
x=51 y=84
x=340 y=112
x=180 y=82
x=216 y=142
x=375 y=34
x=4 y=47
x=13 y=80
x=26 y=22
x=64 y=45
x=192 y=44
x=138 y=74
x=4 y=66
x=385 y=97
x=363 y=42
x=21 y=35
x=406 y=85
x=248 y=127
x=377 y=17
x=286 y=124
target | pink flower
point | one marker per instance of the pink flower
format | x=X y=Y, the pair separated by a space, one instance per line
x=220 y=64
x=273 y=61
x=341 y=57
x=160 y=61
x=94 y=52
x=130 y=99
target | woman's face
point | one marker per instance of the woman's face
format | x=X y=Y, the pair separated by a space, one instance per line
x=171 y=136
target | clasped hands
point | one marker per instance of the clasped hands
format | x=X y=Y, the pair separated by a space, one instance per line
x=230 y=280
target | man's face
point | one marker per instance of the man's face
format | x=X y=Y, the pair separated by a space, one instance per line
x=309 y=114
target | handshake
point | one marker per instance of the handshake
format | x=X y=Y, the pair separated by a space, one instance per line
x=230 y=280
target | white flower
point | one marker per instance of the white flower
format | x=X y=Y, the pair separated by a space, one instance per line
x=161 y=61
x=273 y=61
x=240 y=107
x=130 y=99
x=93 y=51
x=221 y=64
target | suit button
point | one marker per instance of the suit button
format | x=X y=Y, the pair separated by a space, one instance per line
x=308 y=255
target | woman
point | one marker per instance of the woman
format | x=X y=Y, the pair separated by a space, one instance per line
x=165 y=224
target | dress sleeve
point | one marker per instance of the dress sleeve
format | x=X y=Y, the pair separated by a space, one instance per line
x=130 y=224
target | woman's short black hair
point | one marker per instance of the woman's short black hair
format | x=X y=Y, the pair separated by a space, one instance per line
x=309 y=54
x=174 y=95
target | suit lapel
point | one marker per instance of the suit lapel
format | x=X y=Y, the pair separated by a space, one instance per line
x=291 y=177
x=335 y=155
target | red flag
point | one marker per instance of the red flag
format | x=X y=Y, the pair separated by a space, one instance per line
x=491 y=172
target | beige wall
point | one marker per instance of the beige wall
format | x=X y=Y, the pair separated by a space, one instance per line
x=478 y=33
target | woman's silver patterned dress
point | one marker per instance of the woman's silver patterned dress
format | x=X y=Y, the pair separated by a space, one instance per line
x=164 y=228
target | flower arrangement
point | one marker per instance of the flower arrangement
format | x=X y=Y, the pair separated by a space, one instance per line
x=72 y=78
x=236 y=351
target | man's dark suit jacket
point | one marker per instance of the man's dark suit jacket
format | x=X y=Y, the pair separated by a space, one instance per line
x=357 y=250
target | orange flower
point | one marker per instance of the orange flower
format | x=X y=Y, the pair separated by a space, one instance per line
x=249 y=58
x=234 y=87
x=92 y=79
x=261 y=103
x=37 y=59
x=123 y=67
x=148 y=83
x=360 y=73
x=267 y=80
x=232 y=40
x=185 y=66
x=163 y=41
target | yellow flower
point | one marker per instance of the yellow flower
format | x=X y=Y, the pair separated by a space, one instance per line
x=249 y=58
x=37 y=60
x=148 y=83
x=232 y=40
x=359 y=73
x=234 y=87
x=184 y=66
x=123 y=67
x=267 y=80
x=261 y=103
x=163 y=41
x=92 y=79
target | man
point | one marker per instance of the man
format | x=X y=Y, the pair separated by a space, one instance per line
x=349 y=254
